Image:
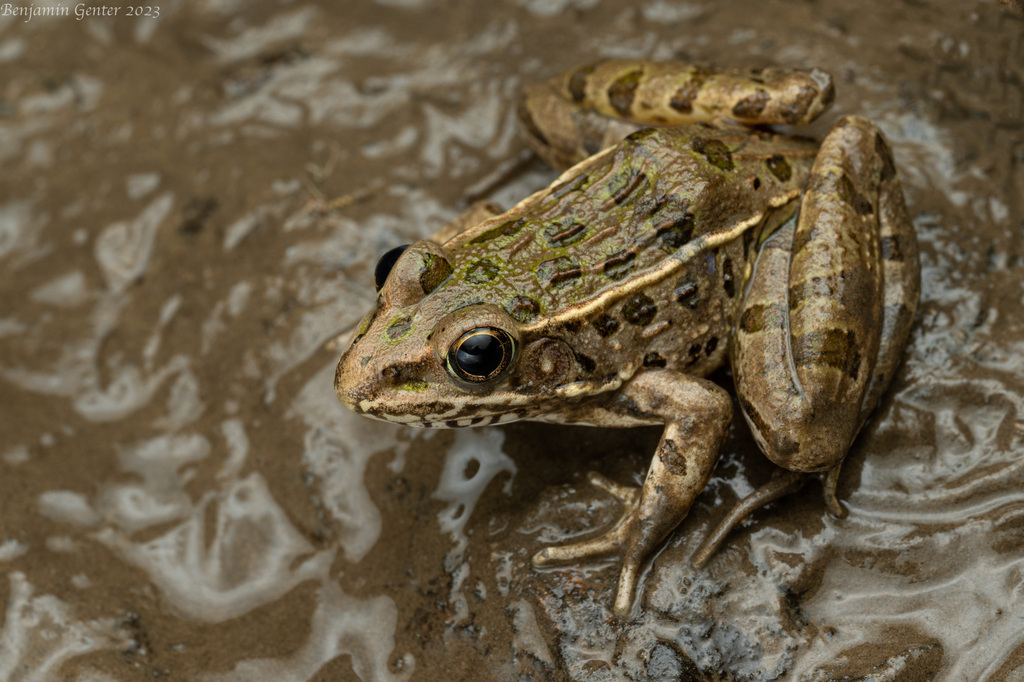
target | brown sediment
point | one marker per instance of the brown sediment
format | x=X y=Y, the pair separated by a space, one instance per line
x=191 y=207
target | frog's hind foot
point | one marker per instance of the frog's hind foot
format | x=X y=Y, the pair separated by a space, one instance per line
x=829 y=483
x=781 y=484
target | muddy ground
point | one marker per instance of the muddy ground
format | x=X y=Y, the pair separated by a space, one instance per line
x=191 y=206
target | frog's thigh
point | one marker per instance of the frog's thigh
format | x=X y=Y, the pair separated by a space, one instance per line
x=807 y=340
x=901 y=277
x=696 y=414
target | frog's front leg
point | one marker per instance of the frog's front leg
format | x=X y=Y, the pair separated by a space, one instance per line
x=696 y=414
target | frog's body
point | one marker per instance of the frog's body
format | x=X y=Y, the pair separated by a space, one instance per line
x=605 y=298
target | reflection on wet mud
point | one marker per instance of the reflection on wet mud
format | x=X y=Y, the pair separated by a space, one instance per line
x=190 y=211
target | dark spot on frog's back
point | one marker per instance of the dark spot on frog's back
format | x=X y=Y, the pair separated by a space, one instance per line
x=752 y=105
x=522 y=309
x=639 y=309
x=606 y=325
x=779 y=167
x=625 y=183
x=618 y=265
x=686 y=292
x=623 y=90
x=676 y=232
x=694 y=353
x=715 y=151
x=564 y=233
x=558 y=271
x=728 y=282
x=654 y=360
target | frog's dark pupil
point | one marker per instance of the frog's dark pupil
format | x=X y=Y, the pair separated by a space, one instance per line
x=480 y=355
x=384 y=265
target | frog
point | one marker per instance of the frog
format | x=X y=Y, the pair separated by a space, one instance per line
x=689 y=230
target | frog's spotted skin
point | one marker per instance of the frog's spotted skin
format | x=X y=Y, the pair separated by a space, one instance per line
x=608 y=296
x=585 y=110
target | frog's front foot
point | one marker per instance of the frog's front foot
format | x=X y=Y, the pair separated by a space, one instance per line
x=627 y=537
x=695 y=413
x=611 y=541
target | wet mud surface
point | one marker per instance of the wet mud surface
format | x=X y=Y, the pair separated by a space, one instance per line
x=190 y=210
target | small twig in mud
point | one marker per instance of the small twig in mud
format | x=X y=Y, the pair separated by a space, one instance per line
x=319 y=173
x=318 y=203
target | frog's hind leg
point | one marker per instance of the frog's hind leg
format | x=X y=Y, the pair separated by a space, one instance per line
x=592 y=107
x=807 y=355
x=781 y=484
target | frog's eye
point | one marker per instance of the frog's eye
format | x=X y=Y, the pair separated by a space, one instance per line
x=481 y=354
x=384 y=265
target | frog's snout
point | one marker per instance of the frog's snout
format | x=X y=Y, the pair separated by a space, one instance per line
x=383 y=386
x=347 y=390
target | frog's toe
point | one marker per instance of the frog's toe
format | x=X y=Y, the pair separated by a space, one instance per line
x=621 y=540
x=610 y=542
x=829 y=483
x=626 y=494
x=605 y=544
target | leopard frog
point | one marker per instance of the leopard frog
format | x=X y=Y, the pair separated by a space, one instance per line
x=678 y=239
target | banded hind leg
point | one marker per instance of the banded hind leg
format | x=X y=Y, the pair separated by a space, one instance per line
x=582 y=111
x=826 y=317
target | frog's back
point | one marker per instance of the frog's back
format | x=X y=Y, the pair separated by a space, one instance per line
x=649 y=239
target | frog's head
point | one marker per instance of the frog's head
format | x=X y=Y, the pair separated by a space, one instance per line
x=436 y=353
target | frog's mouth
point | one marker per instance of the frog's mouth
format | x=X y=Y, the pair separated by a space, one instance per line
x=431 y=420
x=465 y=422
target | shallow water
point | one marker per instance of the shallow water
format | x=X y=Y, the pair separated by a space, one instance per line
x=190 y=210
